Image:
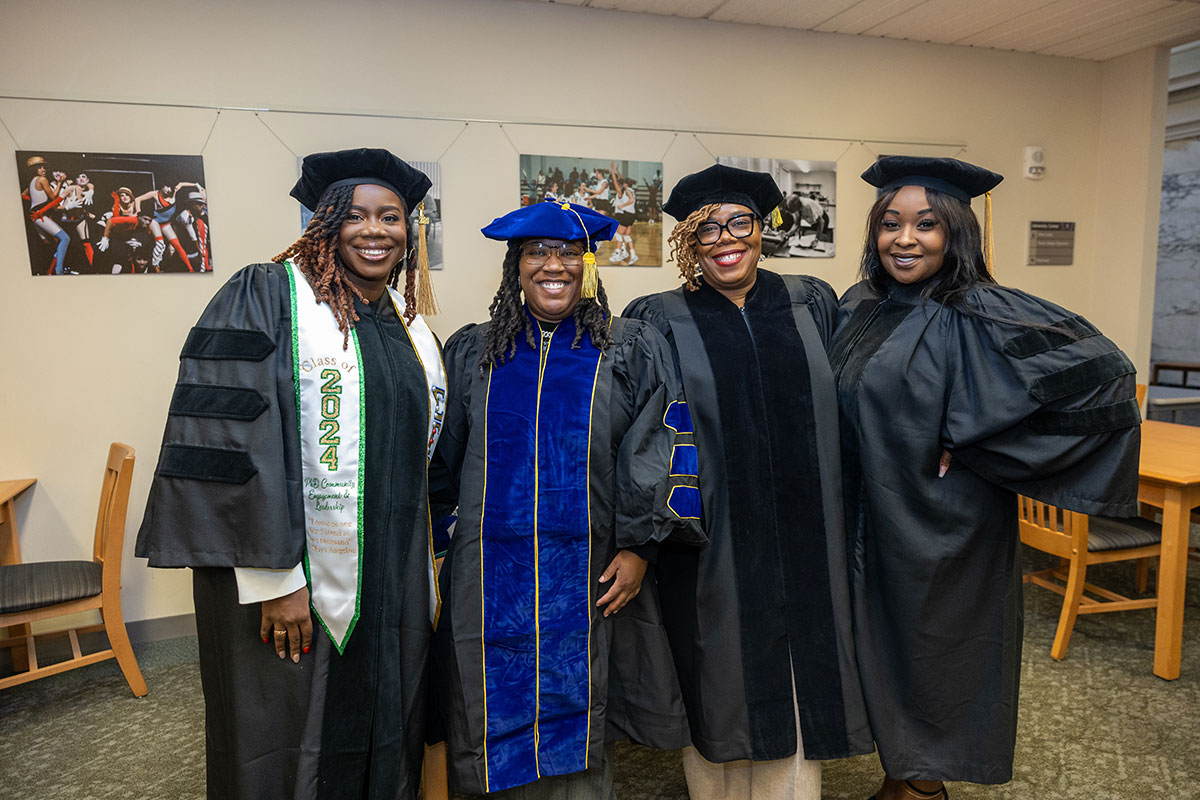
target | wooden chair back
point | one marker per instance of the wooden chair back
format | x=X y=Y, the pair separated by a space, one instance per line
x=107 y=546
x=1064 y=533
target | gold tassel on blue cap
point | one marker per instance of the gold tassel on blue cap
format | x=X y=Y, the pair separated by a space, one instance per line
x=591 y=276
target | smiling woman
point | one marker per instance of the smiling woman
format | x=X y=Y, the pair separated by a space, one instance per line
x=567 y=455
x=759 y=620
x=310 y=395
x=955 y=394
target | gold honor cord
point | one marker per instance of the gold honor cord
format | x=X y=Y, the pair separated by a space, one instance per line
x=426 y=302
x=989 y=237
x=591 y=277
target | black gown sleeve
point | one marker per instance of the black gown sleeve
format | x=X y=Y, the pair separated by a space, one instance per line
x=226 y=491
x=658 y=492
x=1045 y=408
x=460 y=356
x=822 y=303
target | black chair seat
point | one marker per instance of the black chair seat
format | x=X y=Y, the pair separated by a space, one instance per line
x=1112 y=533
x=45 y=583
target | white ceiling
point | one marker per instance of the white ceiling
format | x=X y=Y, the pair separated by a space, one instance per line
x=1090 y=29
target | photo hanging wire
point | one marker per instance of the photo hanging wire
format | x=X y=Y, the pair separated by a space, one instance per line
x=710 y=152
x=10 y=133
x=439 y=118
x=663 y=157
x=454 y=141
x=506 y=136
x=838 y=160
x=276 y=135
x=208 y=138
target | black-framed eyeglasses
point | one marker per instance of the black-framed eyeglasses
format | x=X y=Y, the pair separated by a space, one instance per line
x=739 y=227
x=538 y=253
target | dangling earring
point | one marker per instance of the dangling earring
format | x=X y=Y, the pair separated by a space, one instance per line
x=761 y=258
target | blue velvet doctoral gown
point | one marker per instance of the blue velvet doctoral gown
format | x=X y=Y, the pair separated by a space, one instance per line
x=555 y=459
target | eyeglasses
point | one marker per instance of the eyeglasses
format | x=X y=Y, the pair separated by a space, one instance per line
x=538 y=253
x=739 y=227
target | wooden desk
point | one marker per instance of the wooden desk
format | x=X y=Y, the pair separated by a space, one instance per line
x=10 y=545
x=1169 y=478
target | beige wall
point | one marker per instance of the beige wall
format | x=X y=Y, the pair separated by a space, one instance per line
x=92 y=359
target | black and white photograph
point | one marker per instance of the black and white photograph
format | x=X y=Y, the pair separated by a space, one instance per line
x=628 y=191
x=804 y=226
x=114 y=213
x=434 y=235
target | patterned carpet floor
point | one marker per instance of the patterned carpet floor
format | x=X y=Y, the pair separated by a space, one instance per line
x=1096 y=726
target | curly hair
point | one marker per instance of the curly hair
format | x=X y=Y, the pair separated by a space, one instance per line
x=683 y=245
x=508 y=317
x=963 y=265
x=316 y=255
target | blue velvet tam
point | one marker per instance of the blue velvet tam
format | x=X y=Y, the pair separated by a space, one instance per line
x=553 y=220
x=947 y=175
x=322 y=171
x=721 y=184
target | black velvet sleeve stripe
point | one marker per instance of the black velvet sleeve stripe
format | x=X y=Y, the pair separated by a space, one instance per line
x=1039 y=340
x=1112 y=417
x=227 y=343
x=217 y=402
x=1085 y=375
x=206 y=464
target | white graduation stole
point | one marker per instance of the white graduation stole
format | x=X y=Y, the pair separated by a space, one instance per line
x=330 y=405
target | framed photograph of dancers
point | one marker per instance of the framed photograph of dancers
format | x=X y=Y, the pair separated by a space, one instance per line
x=807 y=216
x=434 y=232
x=114 y=213
x=628 y=191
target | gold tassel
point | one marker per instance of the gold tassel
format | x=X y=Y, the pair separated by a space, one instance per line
x=426 y=302
x=591 y=278
x=777 y=217
x=989 y=239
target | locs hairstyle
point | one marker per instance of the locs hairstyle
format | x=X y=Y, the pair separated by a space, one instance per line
x=683 y=245
x=317 y=254
x=508 y=317
x=963 y=265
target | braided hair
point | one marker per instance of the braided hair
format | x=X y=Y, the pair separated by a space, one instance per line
x=683 y=245
x=316 y=255
x=508 y=317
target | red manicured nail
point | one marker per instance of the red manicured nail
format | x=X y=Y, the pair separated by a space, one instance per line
x=265 y=640
x=307 y=648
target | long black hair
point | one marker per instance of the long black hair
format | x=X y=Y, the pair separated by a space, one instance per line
x=963 y=265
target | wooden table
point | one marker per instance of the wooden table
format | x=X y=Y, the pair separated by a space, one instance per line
x=10 y=545
x=10 y=553
x=1169 y=478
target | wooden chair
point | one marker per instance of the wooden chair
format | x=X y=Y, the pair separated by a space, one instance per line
x=1081 y=541
x=43 y=590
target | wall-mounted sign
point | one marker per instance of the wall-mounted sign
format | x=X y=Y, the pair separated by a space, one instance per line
x=1051 y=243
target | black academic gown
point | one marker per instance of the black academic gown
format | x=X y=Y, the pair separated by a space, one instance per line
x=1044 y=409
x=761 y=614
x=227 y=492
x=522 y=649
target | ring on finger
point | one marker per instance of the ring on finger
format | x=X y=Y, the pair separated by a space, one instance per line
x=280 y=633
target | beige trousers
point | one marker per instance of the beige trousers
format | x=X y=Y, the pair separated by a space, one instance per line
x=792 y=778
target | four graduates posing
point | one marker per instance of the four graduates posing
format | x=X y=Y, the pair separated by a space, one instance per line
x=741 y=519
